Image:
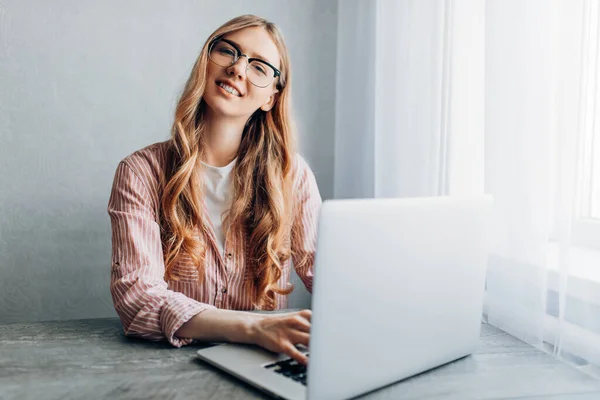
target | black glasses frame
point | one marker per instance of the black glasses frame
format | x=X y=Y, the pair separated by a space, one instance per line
x=276 y=72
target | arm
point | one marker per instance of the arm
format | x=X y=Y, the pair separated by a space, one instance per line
x=304 y=227
x=220 y=326
x=146 y=307
x=278 y=333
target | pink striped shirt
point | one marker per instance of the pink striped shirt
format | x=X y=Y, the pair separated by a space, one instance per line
x=154 y=308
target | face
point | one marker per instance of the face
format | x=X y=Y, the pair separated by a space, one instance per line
x=256 y=43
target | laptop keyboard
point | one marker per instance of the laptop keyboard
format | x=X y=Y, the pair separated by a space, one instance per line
x=290 y=368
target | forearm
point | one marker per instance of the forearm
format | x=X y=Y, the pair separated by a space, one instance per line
x=277 y=333
x=220 y=326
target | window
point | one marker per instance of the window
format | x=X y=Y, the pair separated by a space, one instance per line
x=586 y=227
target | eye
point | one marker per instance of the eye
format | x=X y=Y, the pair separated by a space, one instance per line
x=259 y=68
x=226 y=51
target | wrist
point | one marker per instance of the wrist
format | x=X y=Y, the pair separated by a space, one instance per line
x=247 y=329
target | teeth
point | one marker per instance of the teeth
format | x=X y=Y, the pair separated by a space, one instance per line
x=229 y=89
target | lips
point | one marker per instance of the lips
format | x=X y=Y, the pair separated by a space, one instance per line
x=230 y=87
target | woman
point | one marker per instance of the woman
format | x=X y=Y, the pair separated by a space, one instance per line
x=208 y=222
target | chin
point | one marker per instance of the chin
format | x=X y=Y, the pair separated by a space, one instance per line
x=222 y=108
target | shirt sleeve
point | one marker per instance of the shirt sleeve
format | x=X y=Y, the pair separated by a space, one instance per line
x=146 y=307
x=304 y=225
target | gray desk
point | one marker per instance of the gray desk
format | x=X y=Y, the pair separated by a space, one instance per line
x=93 y=359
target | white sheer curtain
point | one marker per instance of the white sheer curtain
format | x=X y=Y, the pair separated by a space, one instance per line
x=409 y=98
x=539 y=285
x=443 y=97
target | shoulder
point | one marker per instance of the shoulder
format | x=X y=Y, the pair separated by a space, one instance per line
x=300 y=165
x=300 y=169
x=303 y=176
x=148 y=159
x=149 y=164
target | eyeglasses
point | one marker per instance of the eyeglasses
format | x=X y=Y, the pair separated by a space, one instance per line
x=225 y=53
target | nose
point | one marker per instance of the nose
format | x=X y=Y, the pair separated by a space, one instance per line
x=238 y=68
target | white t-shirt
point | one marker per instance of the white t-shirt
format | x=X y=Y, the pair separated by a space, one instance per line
x=217 y=195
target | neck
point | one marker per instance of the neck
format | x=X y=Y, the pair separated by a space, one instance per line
x=222 y=139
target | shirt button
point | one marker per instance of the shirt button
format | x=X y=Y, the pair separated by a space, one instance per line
x=224 y=290
x=229 y=255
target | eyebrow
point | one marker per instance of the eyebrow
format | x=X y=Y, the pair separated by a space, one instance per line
x=255 y=55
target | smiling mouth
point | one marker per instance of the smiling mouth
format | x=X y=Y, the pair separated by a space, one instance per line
x=229 y=89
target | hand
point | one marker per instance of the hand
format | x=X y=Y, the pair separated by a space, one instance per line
x=281 y=332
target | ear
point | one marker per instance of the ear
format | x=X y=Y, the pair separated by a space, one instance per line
x=270 y=102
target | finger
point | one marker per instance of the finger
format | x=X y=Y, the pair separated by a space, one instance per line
x=299 y=323
x=293 y=352
x=300 y=338
x=306 y=314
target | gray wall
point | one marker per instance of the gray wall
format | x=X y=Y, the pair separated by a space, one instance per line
x=85 y=83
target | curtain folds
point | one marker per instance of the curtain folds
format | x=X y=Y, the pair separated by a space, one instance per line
x=454 y=97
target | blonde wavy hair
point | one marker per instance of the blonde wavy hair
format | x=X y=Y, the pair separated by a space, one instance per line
x=261 y=209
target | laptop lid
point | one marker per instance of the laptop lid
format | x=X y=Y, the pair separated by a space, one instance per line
x=398 y=289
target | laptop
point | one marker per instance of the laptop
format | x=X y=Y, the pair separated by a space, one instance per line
x=398 y=290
